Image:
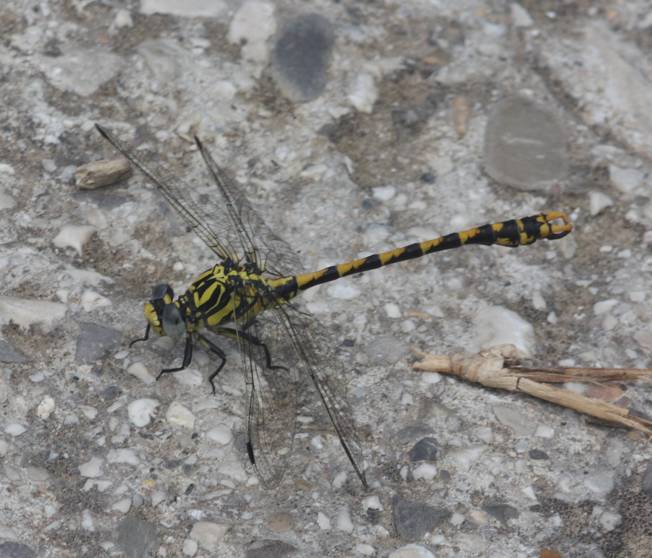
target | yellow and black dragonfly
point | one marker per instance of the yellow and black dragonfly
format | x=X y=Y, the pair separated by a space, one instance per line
x=248 y=297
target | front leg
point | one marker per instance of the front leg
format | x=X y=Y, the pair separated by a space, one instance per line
x=187 y=359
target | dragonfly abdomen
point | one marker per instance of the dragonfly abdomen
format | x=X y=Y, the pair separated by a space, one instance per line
x=515 y=232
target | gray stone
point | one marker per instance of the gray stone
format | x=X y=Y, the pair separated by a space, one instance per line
x=10 y=355
x=412 y=520
x=301 y=55
x=502 y=512
x=525 y=145
x=16 y=550
x=136 y=537
x=269 y=549
x=424 y=450
x=94 y=341
x=537 y=454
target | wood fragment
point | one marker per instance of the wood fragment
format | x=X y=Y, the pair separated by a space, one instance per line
x=498 y=368
x=101 y=173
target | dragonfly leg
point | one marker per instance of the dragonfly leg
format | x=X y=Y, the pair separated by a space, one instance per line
x=213 y=348
x=145 y=338
x=187 y=359
x=242 y=334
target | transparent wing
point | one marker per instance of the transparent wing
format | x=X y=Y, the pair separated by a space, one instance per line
x=294 y=331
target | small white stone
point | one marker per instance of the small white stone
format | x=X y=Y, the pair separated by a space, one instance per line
x=371 y=503
x=392 y=310
x=520 y=16
x=610 y=520
x=123 y=455
x=411 y=551
x=637 y=296
x=89 y=412
x=87 y=522
x=190 y=377
x=209 y=535
x=343 y=520
x=384 y=193
x=604 y=306
x=178 y=415
x=6 y=201
x=317 y=443
x=496 y=325
x=24 y=311
x=323 y=522
x=90 y=300
x=625 y=180
x=339 y=480
x=141 y=411
x=425 y=471
x=140 y=371
x=122 y=19
x=92 y=468
x=220 y=434
x=363 y=93
x=598 y=202
x=4 y=447
x=14 y=429
x=343 y=290
x=544 y=432
x=190 y=547
x=252 y=25
x=122 y=506
x=158 y=496
x=365 y=549
x=538 y=301
x=45 y=407
x=74 y=236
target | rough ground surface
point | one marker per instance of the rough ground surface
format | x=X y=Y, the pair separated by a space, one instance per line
x=354 y=126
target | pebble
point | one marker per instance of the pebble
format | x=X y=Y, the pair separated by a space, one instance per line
x=392 y=310
x=141 y=411
x=87 y=522
x=496 y=325
x=25 y=312
x=90 y=300
x=411 y=551
x=92 y=468
x=178 y=415
x=598 y=202
x=4 y=447
x=140 y=371
x=45 y=407
x=424 y=471
x=122 y=19
x=74 y=236
x=516 y=419
x=137 y=537
x=220 y=434
x=604 y=306
x=520 y=16
x=11 y=549
x=10 y=355
x=525 y=145
x=190 y=547
x=343 y=520
x=101 y=173
x=94 y=341
x=363 y=93
x=365 y=549
x=610 y=520
x=209 y=535
x=301 y=55
x=122 y=455
x=600 y=483
x=371 y=503
x=15 y=429
x=383 y=193
x=323 y=522
x=625 y=180
x=414 y=519
x=424 y=450
x=190 y=377
x=122 y=506
x=270 y=549
x=252 y=25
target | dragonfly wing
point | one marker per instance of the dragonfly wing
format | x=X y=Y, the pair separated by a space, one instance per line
x=300 y=330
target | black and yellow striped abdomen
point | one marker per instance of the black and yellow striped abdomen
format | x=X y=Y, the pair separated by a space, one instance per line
x=515 y=232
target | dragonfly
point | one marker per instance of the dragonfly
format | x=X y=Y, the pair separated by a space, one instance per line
x=248 y=297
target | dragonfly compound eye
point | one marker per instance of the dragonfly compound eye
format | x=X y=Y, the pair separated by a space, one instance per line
x=173 y=324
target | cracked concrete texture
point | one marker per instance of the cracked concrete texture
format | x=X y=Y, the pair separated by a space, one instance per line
x=353 y=127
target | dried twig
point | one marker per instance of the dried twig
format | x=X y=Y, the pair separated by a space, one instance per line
x=498 y=367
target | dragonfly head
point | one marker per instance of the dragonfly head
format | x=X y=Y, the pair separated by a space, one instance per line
x=163 y=314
